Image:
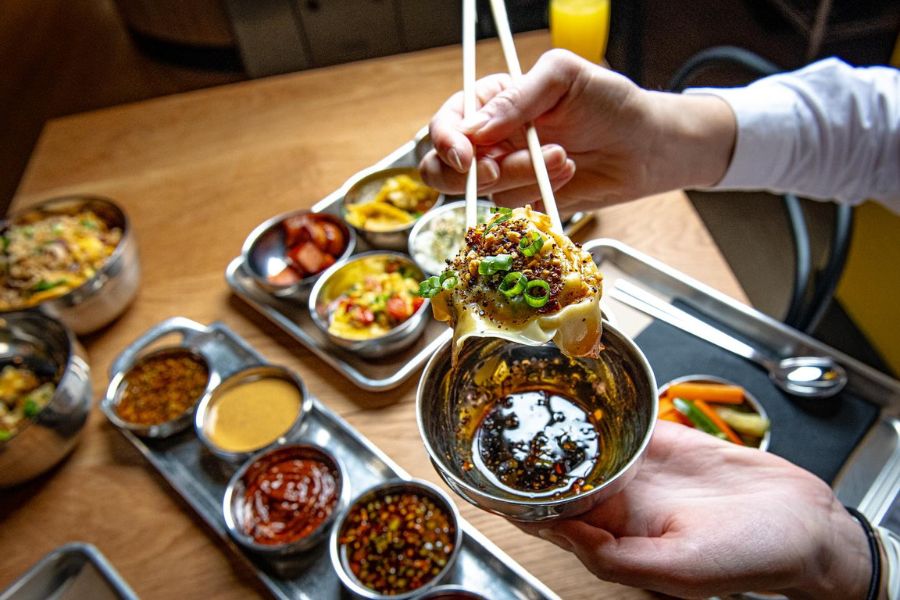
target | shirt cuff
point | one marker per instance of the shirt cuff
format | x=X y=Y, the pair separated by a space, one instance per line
x=766 y=120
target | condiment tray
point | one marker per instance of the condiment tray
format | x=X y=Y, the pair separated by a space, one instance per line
x=71 y=572
x=293 y=316
x=201 y=480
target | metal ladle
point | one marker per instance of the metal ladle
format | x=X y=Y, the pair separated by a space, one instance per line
x=802 y=376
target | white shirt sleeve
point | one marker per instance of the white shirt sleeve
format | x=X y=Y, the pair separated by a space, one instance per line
x=827 y=131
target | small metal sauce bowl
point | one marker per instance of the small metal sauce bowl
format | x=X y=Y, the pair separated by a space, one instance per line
x=264 y=253
x=116 y=388
x=626 y=393
x=415 y=486
x=233 y=502
x=47 y=347
x=451 y=592
x=363 y=187
x=749 y=398
x=244 y=376
x=427 y=220
x=338 y=278
x=103 y=297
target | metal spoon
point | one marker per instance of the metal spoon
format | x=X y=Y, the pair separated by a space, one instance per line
x=803 y=376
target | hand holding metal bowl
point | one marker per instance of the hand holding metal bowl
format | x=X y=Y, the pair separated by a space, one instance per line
x=111 y=281
x=531 y=434
x=44 y=346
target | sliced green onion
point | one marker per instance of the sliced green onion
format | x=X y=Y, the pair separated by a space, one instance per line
x=430 y=287
x=494 y=264
x=5 y=241
x=449 y=280
x=539 y=300
x=531 y=243
x=513 y=284
x=503 y=214
x=5 y=435
x=43 y=285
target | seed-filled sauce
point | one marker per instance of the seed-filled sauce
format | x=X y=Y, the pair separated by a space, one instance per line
x=537 y=441
x=287 y=499
x=162 y=387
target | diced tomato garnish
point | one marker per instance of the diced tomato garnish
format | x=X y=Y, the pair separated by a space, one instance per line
x=287 y=276
x=417 y=302
x=295 y=230
x=308 y=258
x=335 y=238
x=361 y=315
x=396 y=309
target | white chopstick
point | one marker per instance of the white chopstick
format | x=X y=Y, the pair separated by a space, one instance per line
x=470 y=105
x=498 y=8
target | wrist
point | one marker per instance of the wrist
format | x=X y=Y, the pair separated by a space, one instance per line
x=695 y=139
x=841 y=568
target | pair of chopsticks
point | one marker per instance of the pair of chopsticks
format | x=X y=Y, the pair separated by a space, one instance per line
x=470 y=107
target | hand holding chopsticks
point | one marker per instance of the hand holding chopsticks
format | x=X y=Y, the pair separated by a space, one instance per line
x=470 y=107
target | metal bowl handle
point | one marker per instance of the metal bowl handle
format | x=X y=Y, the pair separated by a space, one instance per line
x=181 y=325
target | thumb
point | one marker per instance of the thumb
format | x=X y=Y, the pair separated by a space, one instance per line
x=526 y=99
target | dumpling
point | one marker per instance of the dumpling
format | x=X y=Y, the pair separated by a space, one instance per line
x=518 y=280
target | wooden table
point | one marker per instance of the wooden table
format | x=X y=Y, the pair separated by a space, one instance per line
x=196 y=173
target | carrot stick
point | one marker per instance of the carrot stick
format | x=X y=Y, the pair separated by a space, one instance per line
x=710 y=392
x=715 y=418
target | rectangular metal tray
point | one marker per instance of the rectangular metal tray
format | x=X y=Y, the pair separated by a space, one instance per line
x=70 y=572
x=293 y=317
x=201 y=479
x=871 y=476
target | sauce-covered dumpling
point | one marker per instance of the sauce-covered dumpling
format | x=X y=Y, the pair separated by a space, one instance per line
x=518 y=280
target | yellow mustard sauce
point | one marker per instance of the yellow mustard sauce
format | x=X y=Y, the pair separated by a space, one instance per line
x=252 y=415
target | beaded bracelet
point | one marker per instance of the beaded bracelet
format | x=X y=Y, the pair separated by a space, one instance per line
x=872 y=539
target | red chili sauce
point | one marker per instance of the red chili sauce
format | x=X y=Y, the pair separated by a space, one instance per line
x=286 y=499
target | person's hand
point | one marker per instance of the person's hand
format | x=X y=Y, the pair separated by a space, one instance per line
x=605 y=139
x=704 y=517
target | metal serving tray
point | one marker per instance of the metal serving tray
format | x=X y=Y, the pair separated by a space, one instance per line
x=870 y=478
x=201 y=479
x=70 y=572
x=293 y=317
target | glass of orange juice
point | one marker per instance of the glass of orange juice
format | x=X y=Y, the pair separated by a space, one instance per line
x=581 y=26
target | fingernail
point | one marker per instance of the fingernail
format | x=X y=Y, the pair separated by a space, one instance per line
x=455 y=161
x=553 y=537
x=487 y=171
x=474 y=123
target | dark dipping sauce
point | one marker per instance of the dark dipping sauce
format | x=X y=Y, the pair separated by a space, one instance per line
x=287 y=499
x=397 y=542
x=537 y=441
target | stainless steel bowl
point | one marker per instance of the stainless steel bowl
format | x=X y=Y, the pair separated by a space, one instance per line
x=108 y=293
x=115 y=389
x=416 y=486
x=233 y=505
x=363 y=187
x=451 y=592
x=619 y=383
x=423 y=144
x=245 y=376
x=340 y=277
x=430 y=221
x=748 y=398
x=264 y=254
x=47 y=347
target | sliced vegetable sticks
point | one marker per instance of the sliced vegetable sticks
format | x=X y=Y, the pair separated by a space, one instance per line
x=718 y=421
x=708 y=392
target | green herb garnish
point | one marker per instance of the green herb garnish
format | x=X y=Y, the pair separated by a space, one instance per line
x=31 y=408
x=90 y=224
x=449 y=280
x=513 y=284
x=537 y=293
x=503 y=214
x=5 y=241
x=531 y=243
x=490 y=265
x=430 y=287
x=43 y=285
